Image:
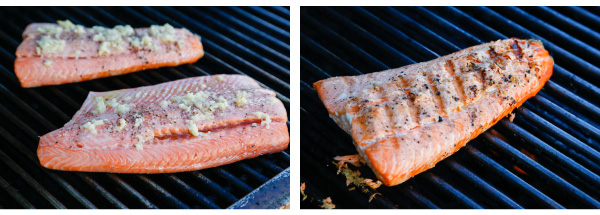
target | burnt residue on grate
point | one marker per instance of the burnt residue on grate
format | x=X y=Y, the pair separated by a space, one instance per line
x=547 y=158
x=238 y=40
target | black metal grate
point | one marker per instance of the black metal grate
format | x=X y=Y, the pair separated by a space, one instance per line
x=253 y=41
x=548 y=158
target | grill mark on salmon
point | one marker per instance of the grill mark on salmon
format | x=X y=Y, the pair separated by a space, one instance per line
x=52 y=54
x=412 y=119
x=437 y=99
x=168 y=138
x=477 y=87
x=459 y=98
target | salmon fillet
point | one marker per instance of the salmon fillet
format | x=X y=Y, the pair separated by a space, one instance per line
x=405 y=120
x=53 y=54
x=183 y=125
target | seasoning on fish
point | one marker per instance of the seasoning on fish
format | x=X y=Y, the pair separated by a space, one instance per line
x=150 y=138
x=53 y=54
x=405 y=120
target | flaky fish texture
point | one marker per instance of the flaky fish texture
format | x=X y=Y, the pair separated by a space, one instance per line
x=405 y=120
x=183 y=125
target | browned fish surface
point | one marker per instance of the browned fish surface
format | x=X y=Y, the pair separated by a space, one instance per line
x=405 y=120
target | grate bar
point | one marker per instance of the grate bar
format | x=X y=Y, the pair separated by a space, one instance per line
x=269 y=26
x=233 y=180
x=257 y=32
x=330 y=36
x=370 y=38
x=225 y=52
x=573 y=98
x=568 y=117
x=414 y=47
x=444 y=186
x=14 y=193
x=580 y=14
x=516 y=28
x=141 y=199
x=540 y=170
x=553 y=153
x=191 y=192
x=207 y=31
x=577 y=29
x=284 y=12
x=515 y=180
x=544 y=28
x=492 y=192
x=172 y=200
x=29 y=180
x=214 y=187
x=267 y=13
x=565 y=137
x=90 y=181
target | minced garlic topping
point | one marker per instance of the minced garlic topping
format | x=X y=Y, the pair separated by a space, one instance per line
x=47 y=63
x=111 y=38
x=100 y=106
x=164 y=104
x=240 y=98
x=166 y=33
x=141 y=140
x=122 y=124
x=63 y=26
x=112 y=103
x=145 y=42
x=118 y=38
x=265 y=119
x=124 y=108
x=91 y=125
x=67 y=25
x=202 y=116
x=138 y=122
x=191 y=125
x=48 y=45
x=139 y=146
x=184 y=107
x=199 y=101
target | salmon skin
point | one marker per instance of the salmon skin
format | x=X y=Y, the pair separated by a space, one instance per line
x=405 y=120
x=53 y=54
x=183 y=125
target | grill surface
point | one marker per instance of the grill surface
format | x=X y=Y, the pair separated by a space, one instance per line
x=548 y=158
x=253 y=41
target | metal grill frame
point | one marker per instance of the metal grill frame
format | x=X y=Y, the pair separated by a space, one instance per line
x=252 y=41
x=554 y=139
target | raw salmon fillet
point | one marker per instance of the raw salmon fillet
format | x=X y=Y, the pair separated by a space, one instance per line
x=53 y=54
x=405 y=120
x=183 y=125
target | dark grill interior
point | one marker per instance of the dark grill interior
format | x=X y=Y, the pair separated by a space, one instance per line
x=239 y=40
x=547 y=158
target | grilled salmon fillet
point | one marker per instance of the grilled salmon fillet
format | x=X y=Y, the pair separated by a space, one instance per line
x=183 y=125
x=405 y=120
x=53 y=54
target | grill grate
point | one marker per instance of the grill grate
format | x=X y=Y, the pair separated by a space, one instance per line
x=547 y=158
x=235 y=41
